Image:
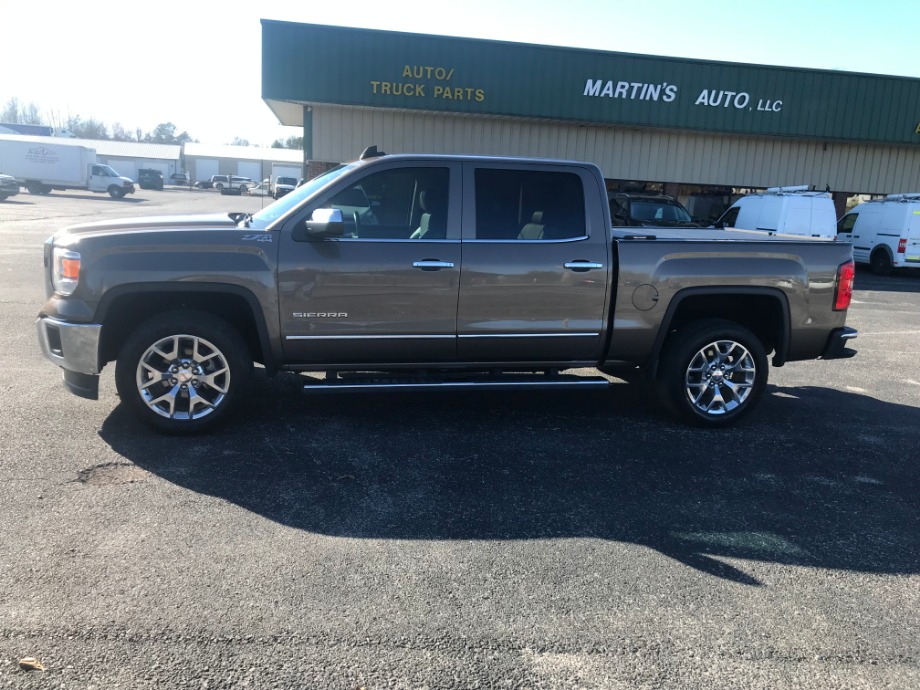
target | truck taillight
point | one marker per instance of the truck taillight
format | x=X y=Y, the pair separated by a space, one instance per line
x=902 y=245
x=843 y=291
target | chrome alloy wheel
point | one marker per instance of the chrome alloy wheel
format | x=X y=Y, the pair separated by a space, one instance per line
x=183 y=377
x=720 y=377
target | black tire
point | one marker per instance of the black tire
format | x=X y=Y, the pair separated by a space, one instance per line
x=712 y=372
x=183 y=371
x=35 y=187
x=116 y=192
x=3 y=197
x=880 y=263
x=219 y=186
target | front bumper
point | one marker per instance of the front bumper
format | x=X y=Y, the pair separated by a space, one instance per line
x=75 y=348
x=836 y=343
x=9 y=190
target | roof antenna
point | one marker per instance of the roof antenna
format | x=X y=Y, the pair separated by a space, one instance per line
x=371 y=152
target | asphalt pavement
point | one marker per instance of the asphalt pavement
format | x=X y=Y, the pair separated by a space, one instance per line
x=559 y=539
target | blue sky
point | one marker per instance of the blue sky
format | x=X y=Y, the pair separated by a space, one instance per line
x=206 y=77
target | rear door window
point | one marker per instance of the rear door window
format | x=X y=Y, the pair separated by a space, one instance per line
x=529 y=205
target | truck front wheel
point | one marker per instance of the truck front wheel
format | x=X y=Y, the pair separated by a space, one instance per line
x=712 y=372
x=183 y=371
x=116 y=192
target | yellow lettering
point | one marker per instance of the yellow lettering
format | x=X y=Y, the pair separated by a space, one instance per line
x=438 y=90
x=374 y=85
x=917 y=130
x=481 y=96
x=407 y=71
x=385 y=87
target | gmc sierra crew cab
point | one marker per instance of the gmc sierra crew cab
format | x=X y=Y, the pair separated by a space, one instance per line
x=415 y=272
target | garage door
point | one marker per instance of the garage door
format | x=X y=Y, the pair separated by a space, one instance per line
x=205 y=168
x=250 y=169
x=125 y=169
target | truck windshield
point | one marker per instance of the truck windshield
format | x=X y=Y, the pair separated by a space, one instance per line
x=106 y=170
x=273 y=212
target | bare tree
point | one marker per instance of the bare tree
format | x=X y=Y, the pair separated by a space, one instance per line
x=10 y=112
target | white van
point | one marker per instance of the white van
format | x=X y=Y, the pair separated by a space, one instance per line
x=885 y=234
x=786 y=210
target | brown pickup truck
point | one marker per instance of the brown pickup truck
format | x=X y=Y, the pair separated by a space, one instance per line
x=425 y=271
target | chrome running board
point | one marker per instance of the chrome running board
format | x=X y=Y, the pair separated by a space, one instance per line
x=380 y=382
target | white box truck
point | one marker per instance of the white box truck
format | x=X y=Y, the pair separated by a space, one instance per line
x=41 y=164
x=784 y=210
x=885 y=234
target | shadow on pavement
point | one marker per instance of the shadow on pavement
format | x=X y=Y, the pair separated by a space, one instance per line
x=816 y=477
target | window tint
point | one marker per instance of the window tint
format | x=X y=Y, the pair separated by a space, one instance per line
x=651 y=210
x=403 y=203
x=846 y=223
x=730 y=217
x=528 y=205
x=618 y=212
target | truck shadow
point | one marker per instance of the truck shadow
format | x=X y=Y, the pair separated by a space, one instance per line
x=901 y=280
x=96 y=197
x=800 y=483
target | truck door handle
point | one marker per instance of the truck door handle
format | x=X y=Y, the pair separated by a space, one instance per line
x=432 y=264
x=581 y=265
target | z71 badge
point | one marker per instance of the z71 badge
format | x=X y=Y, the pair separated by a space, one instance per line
x=260 y=237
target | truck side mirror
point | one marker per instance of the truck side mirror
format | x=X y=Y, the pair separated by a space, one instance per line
x=325 y=222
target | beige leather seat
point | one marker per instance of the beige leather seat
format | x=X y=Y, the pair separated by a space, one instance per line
x=432 y=223
x=534 y=229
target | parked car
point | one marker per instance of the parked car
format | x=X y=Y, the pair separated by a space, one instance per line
x=794 y=210
x=261 y=189
x=148 y=178
x=181 y=178
x=203 y=184
x=885 y=233
x=283 y=185
x=648 y=210
x=218 y=182
x=231 y=184
x=383 y=305
x=8 y=187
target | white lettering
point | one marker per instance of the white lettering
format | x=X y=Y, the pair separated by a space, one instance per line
x=592 y=88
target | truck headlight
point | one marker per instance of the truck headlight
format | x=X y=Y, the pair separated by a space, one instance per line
x=65 y=270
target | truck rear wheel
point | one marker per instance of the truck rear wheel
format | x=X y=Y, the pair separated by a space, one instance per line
x=712 y=372
x=183 y=371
